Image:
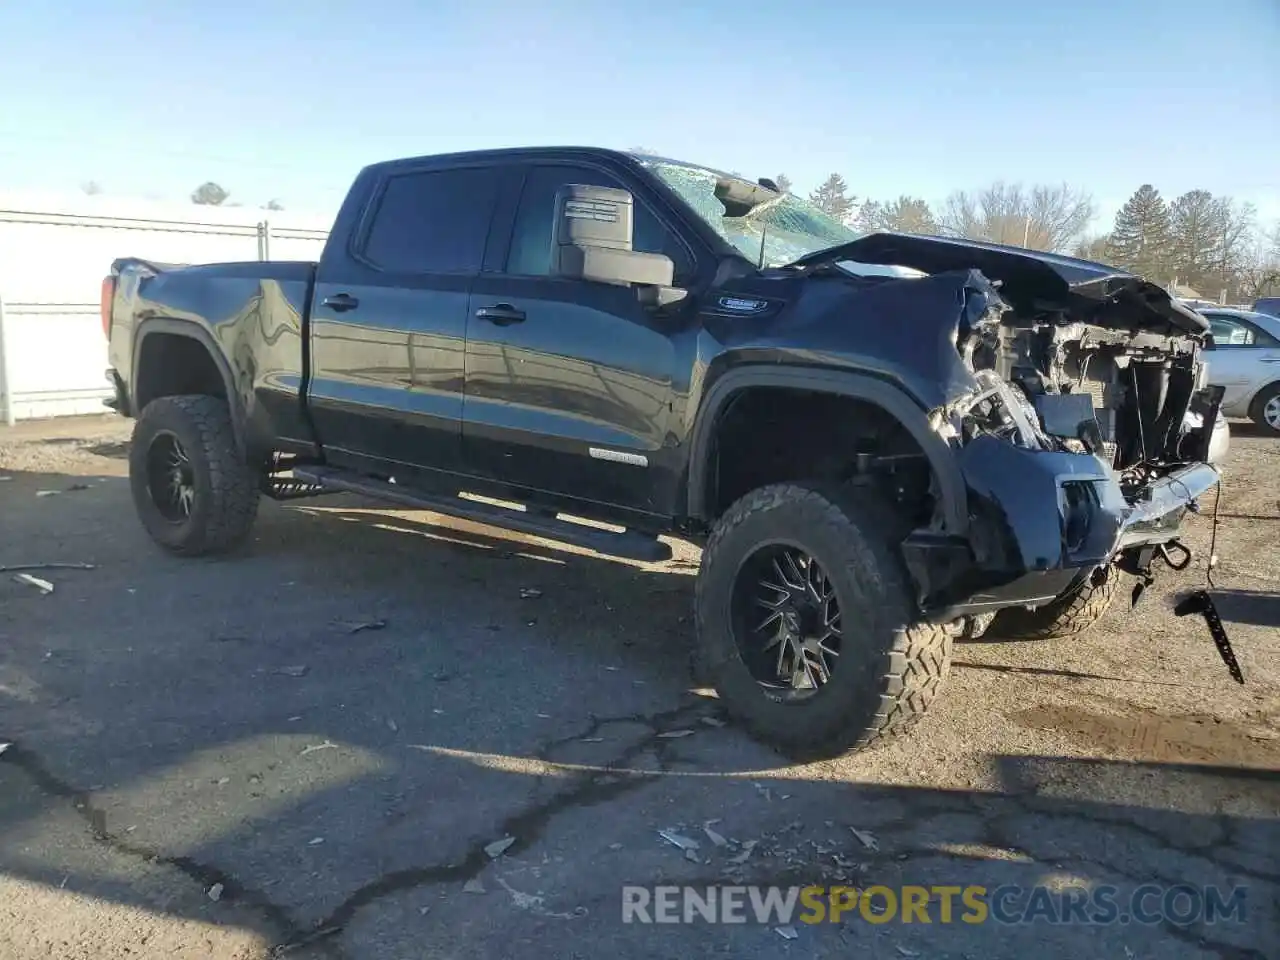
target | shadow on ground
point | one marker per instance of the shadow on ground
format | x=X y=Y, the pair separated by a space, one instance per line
x=331 y=728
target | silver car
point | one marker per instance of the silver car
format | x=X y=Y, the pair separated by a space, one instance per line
x=1245 y=361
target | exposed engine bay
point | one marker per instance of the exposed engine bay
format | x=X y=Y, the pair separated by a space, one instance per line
x=1054 y=384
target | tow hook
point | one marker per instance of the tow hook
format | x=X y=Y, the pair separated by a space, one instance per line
x=1180 y=548
x=1177 y=556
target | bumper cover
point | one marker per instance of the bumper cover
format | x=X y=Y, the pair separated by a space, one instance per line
x=1040 y=521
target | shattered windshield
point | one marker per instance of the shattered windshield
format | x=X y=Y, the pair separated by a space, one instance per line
x=791 y=227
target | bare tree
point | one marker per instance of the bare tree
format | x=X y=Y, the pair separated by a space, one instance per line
x=1098 y=249
x=1237 y=243
x=1260 y=276
x=1041 y=217
x=870 y=218
x=273 y=204
x=91 y=187
x=209 y=194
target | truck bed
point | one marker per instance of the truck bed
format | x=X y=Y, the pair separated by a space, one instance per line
x=253 y=315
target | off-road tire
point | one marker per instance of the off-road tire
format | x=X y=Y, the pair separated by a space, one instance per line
x=225 y=503
x=1265 y=396
x=1070 y=615
x=889 y=670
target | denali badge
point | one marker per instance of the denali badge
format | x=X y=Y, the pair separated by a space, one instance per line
x=617 y=456
x=741 y=304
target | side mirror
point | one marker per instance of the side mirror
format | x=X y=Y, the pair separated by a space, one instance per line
x=591 y=240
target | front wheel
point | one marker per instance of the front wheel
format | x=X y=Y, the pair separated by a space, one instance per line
x=806 y=625
x=1266 y=409
x=193 y=491
x=1070 y=614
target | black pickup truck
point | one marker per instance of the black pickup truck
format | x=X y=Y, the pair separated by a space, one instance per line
x=880 y=442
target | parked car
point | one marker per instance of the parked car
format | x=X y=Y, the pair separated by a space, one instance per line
x=1245 y=361
x=1267 y=305
x=874 y=460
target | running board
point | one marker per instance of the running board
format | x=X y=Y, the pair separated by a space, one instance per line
x=627 y=544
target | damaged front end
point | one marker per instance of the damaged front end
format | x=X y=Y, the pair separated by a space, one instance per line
x=1084 y=433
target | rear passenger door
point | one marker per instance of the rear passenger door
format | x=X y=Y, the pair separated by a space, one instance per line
x=1243 y=359
x=389 y=320
x=569 y=383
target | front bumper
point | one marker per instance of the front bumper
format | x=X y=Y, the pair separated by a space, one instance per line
x=1039 y=522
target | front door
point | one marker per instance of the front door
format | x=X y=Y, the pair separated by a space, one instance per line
x=389 y=322
x=569 y=383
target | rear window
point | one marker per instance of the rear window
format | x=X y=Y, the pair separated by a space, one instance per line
x=433 y=222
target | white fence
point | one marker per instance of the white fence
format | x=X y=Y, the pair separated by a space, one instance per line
x=54 y=253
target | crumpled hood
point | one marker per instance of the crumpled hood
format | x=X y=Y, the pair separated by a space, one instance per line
x=1107 y=295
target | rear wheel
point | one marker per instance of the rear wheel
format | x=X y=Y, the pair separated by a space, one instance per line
x=806 y=626
x=1069 y=615
x=1266 y=409
x=193 y=491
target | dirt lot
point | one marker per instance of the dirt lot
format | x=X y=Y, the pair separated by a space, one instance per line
x=304 y=750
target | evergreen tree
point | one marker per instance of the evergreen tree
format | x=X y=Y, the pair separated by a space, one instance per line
x=1141 y=239
x=832 y=197
x=1195 y=219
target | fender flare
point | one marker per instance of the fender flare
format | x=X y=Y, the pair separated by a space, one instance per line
x=192 y=331
x=889 y=398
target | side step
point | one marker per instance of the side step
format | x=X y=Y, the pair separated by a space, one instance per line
x=628 y=544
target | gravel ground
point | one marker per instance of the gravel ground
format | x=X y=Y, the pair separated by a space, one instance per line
x=304 y=750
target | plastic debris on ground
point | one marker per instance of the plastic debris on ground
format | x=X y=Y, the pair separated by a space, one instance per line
x=4 y=747
x=498 y=847
x=327 y=745
x=675 y=734
x=530 y=593
x=714 y=837
x=713 y=721
x=747 y=847
x=473 y=886
x=786 y=933
x=908 y=953
x=357 y=626
x=14 y=568
x=866 y=838
x=295 y=670
x=315 y=841
x=44 y=586
x=214 y=893
x=678 y=840
x=47 y=493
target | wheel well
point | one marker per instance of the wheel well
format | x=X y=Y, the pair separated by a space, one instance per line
x=170 y=364
x=1255 y=405
x=775 y=434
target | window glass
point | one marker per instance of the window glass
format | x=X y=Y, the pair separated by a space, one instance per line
x=1229 y=333
x=433 y=222
x=531 y=239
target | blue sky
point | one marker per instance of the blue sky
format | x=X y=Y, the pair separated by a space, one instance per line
x=288 y=100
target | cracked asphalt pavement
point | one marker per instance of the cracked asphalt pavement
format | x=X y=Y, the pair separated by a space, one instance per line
x=382 y=734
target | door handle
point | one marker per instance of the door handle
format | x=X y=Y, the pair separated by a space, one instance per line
x=340 y=302
x=503 y=314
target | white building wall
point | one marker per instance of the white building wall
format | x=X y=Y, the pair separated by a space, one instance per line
x=54 y=252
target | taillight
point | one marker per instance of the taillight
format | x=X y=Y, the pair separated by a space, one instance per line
x=108 y=296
